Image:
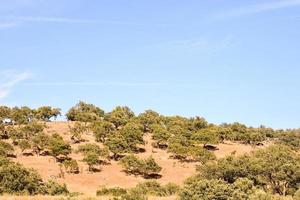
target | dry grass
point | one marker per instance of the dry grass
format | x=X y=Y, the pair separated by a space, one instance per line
x=84 y=197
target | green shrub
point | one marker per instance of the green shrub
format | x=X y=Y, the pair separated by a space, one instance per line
x=276 y=169
x=133 y=165
x=154 y=188
x=58 y=146
x=53 y=188
x=206 y=190
x=71 y=166
x=116 y=191
x=202 y=155
x=15 y=179
x=24 y=144
x=84 y=112
x=6 y=149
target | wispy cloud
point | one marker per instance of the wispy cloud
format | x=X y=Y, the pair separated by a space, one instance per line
x=197 y=45
x=257 y=8
x=50 y=19
x=9 y=79
x=85 y=83
x=7 y=25
x=43 y=19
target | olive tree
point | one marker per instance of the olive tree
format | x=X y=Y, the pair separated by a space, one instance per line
x=85 y=112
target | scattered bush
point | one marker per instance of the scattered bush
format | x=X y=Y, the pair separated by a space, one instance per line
x=6 y=149
x=71 y=166
x=84 y=112
x=58 y=147
x=116 y=191
x=147 y=167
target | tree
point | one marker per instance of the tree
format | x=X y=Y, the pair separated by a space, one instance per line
x=133 y=135
x=117 y=145
x=179 y=147
x=148 y=118
x=24 y=144
x=150 y=168
x=202 y=155
x=40 y=142
x=93 y=154
x=161 y=135
x=198 y=123
x=5 y=113
x=45 y=113
x=102 y=129
x=133 y=165
x=120 y=116
x=85 y=112
x=58 y=147
x=206 y=136
x=3 y=131
x=198 y=188
x=22 y=115
x=15 y=179
x=290 y=138
x=32 y=129
x=206 y=190
x=6 y=149
x=15 y=134
x=92 y=159
x=276 y=169
x=71 y=166
x=94 y=148
x=77 y=131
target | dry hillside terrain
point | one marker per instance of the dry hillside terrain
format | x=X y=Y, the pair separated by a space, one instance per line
x=111 y=175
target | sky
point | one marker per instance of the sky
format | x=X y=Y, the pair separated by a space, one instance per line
x=224 y=60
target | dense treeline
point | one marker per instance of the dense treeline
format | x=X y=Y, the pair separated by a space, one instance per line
x=268 y=172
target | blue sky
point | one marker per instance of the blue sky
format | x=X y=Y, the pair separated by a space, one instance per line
x=225 y=60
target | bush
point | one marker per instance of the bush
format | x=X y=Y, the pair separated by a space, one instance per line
x=32 y=129
x=6 y=149
x=84 y=112
x=133 y=165
x=150 y=168
x=93 y=154
x=77 y=131
x=206 y=190
x=117 y=191
x=275 y=168
x=101 y=130
x=53 y=188
x=161 y=135
x=154 y=188
x=202 y=155
x=92 y=159
x=120 y=116
x=290 y=138
x=71 y=166
x=58 y=146
x=15 y=179
x=24 y=144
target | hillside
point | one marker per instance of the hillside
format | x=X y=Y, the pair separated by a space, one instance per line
x=98 y=155
x=111 y=175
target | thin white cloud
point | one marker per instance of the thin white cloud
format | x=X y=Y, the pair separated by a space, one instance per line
x=9 y=79
x=51 y=19
x=7 y=25
x=257 y=8
x=197 y=45
x=83 y=83
x=42 y=19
